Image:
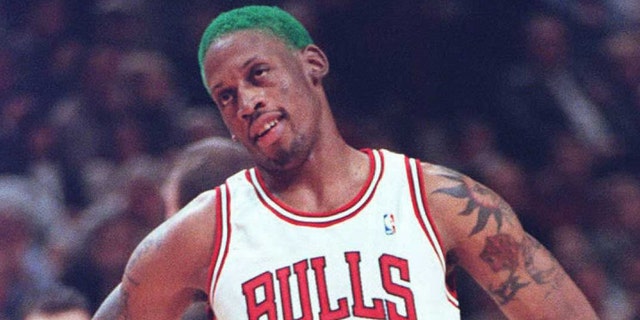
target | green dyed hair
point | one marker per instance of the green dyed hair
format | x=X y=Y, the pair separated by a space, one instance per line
x=270 y=19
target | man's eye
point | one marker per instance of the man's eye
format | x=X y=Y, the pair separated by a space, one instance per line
x=225 y=97
x=259 y=72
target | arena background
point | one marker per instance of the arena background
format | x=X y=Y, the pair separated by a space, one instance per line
x=539 y=100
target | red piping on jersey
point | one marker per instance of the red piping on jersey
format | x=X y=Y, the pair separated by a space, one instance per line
x=425 y=203
x=423 y=195
x=416 y=209
x=218 y=239
x=321 y=224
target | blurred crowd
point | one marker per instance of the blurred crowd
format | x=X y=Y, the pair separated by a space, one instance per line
x=539 y=100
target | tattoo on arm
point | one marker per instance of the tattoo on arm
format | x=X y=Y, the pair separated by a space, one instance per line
x=487 y=202
x=503 y=254
x=146 y=247
x=541 y=272
x=521 y=264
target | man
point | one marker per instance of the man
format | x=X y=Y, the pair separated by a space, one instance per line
x=318 y=229
x=201 y=166
x=58 y=303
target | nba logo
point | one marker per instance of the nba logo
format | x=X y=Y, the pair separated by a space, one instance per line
x=389 y=223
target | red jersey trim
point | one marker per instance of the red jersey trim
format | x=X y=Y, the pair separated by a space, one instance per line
x=324 y=219
x=221 y=238
x=216 y=238
x=421 y=209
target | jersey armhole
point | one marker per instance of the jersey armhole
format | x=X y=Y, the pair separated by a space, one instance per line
x=221 y=236
x=420 y=202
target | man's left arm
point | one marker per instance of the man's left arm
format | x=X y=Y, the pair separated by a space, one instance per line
x=482 y=234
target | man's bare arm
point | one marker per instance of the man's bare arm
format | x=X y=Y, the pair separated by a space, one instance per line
x=167 y=268
x=483 y=235
x=114 y=306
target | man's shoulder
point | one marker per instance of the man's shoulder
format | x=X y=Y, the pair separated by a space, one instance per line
x=203 y=202
x=184 y=240
x=436 y=175
x=198 y=214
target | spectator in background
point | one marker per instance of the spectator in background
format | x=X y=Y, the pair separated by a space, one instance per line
x=632 y=283
x=97 y=268
x=548 y=94
x=46 y=24
x=621 y=92
x=57 y=303
x=9 y=79
x=151 y=99
x=609 y=300
x=200 y=122
x=617 y=235
x=565 y=183
x=15 y=110
x=202 y=166
x=88 y=118
x=21 y=266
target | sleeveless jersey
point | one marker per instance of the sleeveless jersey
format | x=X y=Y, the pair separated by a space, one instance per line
x=377 y=257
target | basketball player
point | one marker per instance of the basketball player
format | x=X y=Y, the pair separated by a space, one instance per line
x=318 y=229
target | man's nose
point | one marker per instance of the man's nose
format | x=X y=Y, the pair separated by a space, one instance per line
x=251 y=99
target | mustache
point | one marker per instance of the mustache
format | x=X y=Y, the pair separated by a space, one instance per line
x=257 y=113
x=254 y=116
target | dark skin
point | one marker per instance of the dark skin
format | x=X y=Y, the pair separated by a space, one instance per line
x=488 y=241
x=272 y=99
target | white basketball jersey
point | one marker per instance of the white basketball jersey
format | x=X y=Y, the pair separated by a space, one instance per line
x=377 y=257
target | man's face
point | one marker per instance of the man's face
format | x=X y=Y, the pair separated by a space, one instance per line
x=265 y=96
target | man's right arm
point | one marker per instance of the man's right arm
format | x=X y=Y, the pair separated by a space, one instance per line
x=167 y=268
x=114 y=306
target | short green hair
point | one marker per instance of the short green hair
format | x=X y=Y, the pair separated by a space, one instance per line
x=270 y=19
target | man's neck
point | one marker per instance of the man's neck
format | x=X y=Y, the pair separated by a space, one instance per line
x=330 y=178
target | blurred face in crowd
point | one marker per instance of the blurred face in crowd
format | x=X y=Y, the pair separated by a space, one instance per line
x=265 y=95
x=15 y=239
x=547 y=41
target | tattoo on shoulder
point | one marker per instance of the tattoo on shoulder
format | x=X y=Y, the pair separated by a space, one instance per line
x=503 y=253
x=479 y=198
x=146 y=247
x=444 y=171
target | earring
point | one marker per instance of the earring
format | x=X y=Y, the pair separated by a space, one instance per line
x=234 y=138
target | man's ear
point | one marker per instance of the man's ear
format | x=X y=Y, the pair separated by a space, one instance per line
x=315 y=62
